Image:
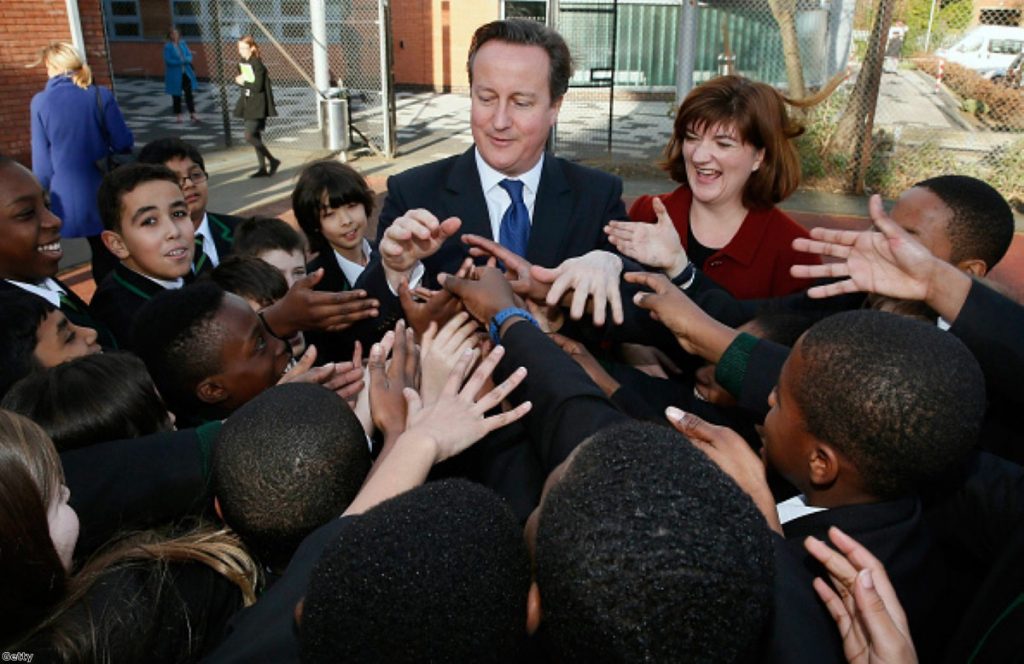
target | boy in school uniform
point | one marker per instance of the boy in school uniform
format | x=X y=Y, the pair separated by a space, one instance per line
x=31 y=251
x=333 y=204
x=214 y=233
x=147 y=227
x=273 y=241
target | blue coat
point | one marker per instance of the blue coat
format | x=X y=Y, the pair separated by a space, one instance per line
x=175 y=65
x=66 y=142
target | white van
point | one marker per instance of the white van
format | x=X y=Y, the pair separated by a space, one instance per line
x=987 y=49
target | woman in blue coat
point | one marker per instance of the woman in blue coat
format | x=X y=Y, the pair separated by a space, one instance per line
x=178 y=74
x=67 y=140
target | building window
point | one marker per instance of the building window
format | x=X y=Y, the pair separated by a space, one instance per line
x=123 y=19
x=186 y=14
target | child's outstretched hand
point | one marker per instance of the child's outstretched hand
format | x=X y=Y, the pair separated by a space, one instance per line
x=441 y=350
x=866 y=610
x=388 y=380
x=457 y=418
x=733 y=455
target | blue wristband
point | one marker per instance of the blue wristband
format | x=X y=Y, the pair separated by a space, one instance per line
x=502 y=316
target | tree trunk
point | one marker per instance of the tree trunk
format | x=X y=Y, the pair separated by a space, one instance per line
x=784 y=12
x=853 y=131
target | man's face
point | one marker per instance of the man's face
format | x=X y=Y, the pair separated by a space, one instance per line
x=194 y=186
x=157 y=235
x=923 y=214
x=252 y=359
x=30 y=248
x=512 y=111
x=59 y=340
x=785 y=430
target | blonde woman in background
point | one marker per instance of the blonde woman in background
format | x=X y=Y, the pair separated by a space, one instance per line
x=68 y=137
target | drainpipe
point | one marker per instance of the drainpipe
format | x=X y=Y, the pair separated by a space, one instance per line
x=75 y=25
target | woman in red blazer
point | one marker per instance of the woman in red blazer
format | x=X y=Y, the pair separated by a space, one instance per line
x=733 y=155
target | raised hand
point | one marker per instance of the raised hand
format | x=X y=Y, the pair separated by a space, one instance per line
x=484 y=296
x=866 y=609
x=594 y=275
x=696 y=331
x=457 y=419
x=657 y=245
x=303 y=308
x=388 y=380
x=887 y=261
x=517 y=268
x=733 y=455
x=441 y=350
x=579 y=353
x=414 y=236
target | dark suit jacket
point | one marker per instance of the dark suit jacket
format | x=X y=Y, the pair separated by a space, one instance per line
x=573 y=204
x=338 y=346
x=117 y=300
x=76 y=311
x=138 y=483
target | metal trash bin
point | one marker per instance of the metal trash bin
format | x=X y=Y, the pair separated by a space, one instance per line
x=334 y=120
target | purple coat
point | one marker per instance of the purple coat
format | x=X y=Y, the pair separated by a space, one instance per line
x=66 y=142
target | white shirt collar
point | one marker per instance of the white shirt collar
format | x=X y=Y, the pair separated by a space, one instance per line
x=489 y=177
x=48 y=289
x=163 y=283
x=209 y=246
x=794 y=508
x=351 y=269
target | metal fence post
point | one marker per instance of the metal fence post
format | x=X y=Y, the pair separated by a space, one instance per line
x=687 y=49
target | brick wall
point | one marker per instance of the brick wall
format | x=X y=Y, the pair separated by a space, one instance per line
x=25 y=27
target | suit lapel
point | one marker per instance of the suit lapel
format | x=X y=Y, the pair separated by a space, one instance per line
x=463 y=197
x=552 y=215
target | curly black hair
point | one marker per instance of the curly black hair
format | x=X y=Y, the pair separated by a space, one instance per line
x=982 y=223
x=439 y=573
x=285 y=463
x=900 y=398
x=647 y=552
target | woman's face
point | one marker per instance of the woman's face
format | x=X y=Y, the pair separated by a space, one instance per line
x=244 y=50
x=174 y=35
x=63 y=522
x=718 y=163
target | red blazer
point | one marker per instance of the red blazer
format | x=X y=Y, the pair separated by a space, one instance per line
x=755 y=264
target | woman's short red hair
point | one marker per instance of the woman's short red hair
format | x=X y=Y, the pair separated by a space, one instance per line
x=757 y=111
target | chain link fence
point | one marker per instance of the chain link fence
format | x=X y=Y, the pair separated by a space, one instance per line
x=934 y=86
x=283 y=30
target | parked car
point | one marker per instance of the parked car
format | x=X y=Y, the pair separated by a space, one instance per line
x=1014 y=77
x=987 y=49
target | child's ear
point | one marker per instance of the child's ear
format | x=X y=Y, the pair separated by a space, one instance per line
x=115 y=244
x=975 y=267
x=533 y=611
x=823 y=465
x=211 y=391
x=216 y=508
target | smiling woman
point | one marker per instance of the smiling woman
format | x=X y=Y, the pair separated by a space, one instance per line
x=732 y=153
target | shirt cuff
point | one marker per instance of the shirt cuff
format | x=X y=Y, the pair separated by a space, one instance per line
x=415 y=277
x=732 y=368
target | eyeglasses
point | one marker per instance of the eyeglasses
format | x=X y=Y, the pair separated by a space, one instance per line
x=196 y=175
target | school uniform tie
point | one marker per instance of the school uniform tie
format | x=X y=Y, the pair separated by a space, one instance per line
x=514 y=233
x=66 y=303
x=199 y=257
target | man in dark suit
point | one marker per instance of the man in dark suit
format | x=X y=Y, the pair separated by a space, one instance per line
x=506 y=187
x=215 y=233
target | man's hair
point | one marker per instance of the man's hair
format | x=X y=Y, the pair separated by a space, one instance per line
x=528 y=33
x=287 y=462
x=22 y=313
x=119 y=182
x=647 y=551
x=982 y=223
x=176 y=336
x=259 y=235
x=900 y=398
x=443 y=566
x=343 y=186
x=163 y=150
x=91 y=399
x=250 y=278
